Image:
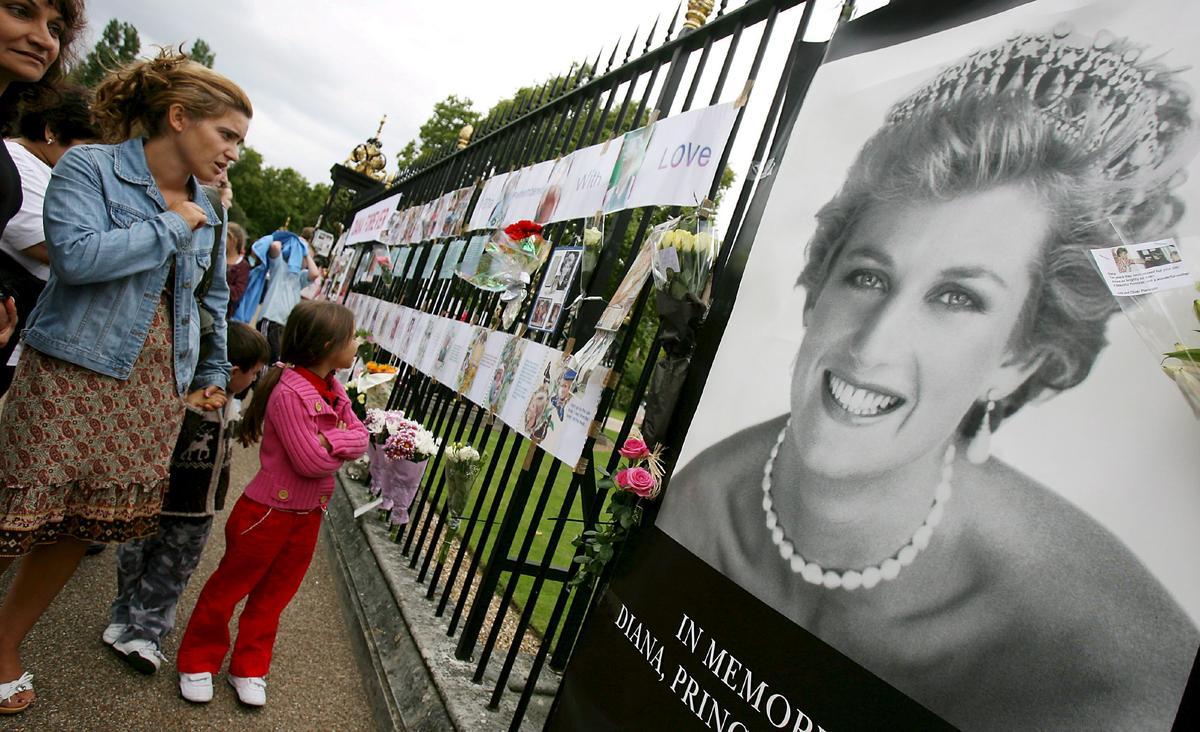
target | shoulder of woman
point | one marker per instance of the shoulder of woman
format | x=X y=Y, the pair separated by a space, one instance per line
x=713 y=485
x=87 y=158
x=1072 y=575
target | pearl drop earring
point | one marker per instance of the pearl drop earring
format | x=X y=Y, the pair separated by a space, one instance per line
x=980 y=447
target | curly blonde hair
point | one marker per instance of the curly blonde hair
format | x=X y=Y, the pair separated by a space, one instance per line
x=133 y=100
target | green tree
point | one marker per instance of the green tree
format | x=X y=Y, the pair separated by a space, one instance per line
x=266 y=197
x=118 y=44
x=202 y=53
x=449 y=117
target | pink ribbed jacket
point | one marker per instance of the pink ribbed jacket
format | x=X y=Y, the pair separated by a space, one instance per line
x=297 y=471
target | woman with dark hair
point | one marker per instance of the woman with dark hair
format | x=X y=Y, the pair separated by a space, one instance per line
x=35 y=45
x=45 y=135
x=949 y=285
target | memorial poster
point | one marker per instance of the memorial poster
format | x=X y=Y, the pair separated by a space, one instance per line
x=934 y=476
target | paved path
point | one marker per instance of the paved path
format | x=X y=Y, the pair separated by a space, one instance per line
x=314 y=682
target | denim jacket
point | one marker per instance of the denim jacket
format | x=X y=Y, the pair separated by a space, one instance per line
x=112 y=242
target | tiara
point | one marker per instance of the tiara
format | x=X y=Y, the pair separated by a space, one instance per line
x=1099 y=94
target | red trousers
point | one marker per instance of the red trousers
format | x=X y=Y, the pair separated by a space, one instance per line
x=267 y=552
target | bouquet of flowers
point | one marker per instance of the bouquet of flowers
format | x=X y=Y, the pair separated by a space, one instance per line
x=366 y=392
x=399 y=450
x=682 y=268
x=640 y=480
x=463 y=463
x=366 y=344
x=593 y=242
x=684 y=256
x=509 y=260
x=1184 y=368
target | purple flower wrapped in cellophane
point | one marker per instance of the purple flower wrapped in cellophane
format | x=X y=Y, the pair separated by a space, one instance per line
x=396 y=482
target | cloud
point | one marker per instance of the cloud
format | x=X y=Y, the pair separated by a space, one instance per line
x=321 y=74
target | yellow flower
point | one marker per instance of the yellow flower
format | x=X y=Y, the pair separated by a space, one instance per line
x=362 y=398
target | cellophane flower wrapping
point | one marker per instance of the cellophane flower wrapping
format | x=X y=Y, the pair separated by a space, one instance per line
x=369 y=389
x=463 y=463
x=400 y=449
x=510 y=259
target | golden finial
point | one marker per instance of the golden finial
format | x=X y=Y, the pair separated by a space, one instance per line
x=464 y=136
x=286 y=224
x=367 y=157
x=697 y=13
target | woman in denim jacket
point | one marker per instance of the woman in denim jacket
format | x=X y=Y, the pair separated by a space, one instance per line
x=114 y=341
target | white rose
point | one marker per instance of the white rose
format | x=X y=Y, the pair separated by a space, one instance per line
x=591 y=237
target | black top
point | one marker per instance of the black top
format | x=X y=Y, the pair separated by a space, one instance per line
x=10 y=188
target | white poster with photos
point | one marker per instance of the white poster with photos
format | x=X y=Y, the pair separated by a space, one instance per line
x=562 y=271
x=928 y=423
x=568 y=403
x=528 y=394
x=526 y=195
x=584 y=179
x=489 y=197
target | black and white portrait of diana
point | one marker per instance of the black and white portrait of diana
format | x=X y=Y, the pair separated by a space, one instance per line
x=930 y=437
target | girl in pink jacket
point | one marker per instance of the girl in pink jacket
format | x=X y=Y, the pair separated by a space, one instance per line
x=303 y=417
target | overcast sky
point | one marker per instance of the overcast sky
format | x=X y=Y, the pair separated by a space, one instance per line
x=320 y=74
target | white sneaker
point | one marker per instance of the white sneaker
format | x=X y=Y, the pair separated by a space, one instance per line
x=142 y=654
x=251 y=690
x=112 y=633
x=196 y=687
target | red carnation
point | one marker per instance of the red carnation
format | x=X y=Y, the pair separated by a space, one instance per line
x=523 y=230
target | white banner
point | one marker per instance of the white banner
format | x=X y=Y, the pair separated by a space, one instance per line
x=578 y=182
x=682 y=158
x=370 y=222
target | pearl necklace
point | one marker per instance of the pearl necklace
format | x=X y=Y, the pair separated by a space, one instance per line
x=852 y=579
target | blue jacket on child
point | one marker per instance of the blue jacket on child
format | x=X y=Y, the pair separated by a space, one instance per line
x=112 y=242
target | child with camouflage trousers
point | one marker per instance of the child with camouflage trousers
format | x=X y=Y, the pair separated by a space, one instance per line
x=152 y=573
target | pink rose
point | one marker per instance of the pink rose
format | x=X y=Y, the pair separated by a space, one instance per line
x=638 y=481
x=634 y=449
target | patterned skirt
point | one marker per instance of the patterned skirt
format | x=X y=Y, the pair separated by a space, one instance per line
x=87 y=455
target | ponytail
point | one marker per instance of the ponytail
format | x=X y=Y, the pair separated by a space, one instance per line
x=256 y=413
x=314 y=329
x=134 y=99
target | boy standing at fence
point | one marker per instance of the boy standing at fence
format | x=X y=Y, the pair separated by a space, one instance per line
x=152 y=573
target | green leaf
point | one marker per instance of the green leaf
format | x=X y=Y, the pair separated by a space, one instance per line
x=581 y=559
x=626 y=520
x=1187 y=354
x=605 y=553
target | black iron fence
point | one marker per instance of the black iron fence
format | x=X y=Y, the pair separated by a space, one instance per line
x=504 y=589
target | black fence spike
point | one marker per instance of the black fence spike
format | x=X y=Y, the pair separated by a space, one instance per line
x=721 y=9
x=593 y=70
x=632 y=42
x=650 y=35
x=674 y=20
x=612 y=58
